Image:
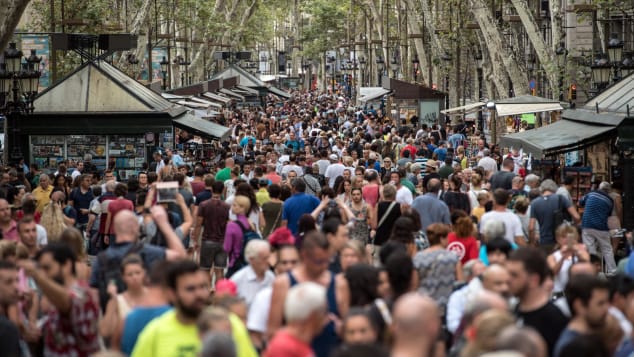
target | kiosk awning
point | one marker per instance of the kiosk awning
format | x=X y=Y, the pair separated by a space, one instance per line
x=278 y=92
x=202 y=127
x=504 y=109
x=561 y=136
x=469 y=108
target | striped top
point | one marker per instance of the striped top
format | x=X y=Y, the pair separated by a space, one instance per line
x=597 y=208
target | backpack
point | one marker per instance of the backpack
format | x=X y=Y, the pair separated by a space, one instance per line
x=110 y=270
x=248 y=235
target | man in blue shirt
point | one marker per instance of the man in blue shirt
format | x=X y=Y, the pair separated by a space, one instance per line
x=430 y=208
x=297 y=205
x=595 y=233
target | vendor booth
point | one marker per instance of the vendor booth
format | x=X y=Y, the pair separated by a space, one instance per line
x=99 y=110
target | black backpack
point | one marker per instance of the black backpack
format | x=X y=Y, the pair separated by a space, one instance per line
x=110 y=270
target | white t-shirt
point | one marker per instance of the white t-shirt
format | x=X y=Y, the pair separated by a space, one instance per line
x=334 y=171
x=404 y=196
x=512 y=224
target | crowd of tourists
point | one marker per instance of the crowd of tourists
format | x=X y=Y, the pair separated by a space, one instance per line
x=317 y=229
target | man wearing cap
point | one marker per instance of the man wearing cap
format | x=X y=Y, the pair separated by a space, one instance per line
x=333 y=171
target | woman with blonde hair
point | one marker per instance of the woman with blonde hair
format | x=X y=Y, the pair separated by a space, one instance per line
x=353 y=252
x=235 y=232
x=53 y=221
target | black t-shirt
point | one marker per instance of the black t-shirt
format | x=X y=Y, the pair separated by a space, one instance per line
x=548 y=320
x=384 y=230
x=9 y=338
x=502 y=179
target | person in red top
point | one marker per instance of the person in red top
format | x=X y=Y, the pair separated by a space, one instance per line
x=117 y=205
x=71 y=324
x=305 y=309
x=409 y=147
x=461 y=238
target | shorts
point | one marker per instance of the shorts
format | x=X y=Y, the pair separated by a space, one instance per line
x=212 y=254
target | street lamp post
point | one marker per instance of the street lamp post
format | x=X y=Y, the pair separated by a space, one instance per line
x=561 y=53
x=164 y=68
x=19 y=82
x=134 y=65
x=601 y=72
x=415 y=65
x=478 y=59
x=362 y=64
x=395 y=65
x=615 y=54
x=182 y=64
x=446 y=58
x=380 y=65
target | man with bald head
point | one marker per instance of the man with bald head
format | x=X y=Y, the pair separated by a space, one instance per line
x=416 y=325
x=496 y=279
x=225 y=174
x=126 y=230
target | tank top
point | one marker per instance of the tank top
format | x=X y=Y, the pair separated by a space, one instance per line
x=324 y=343
x=124 y=307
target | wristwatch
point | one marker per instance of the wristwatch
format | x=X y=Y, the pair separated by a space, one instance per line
x=146 y=210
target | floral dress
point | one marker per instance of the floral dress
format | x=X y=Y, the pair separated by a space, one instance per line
x=361 y=229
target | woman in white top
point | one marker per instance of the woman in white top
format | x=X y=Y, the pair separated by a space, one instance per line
x=568 y=252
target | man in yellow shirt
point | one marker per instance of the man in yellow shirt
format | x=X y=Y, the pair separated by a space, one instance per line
x=42 y=193
x=175 y=332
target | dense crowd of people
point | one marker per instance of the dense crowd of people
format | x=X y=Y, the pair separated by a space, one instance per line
x=317 y=229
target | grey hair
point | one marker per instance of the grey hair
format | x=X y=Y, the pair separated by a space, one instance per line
x=304 y=299
x=467 y=268
x=486 y=152
x=44 y=176
x=605 y=186
x=218 y=344
x=494 y=229
x=254 y=247
x=110 y=186
x=531 y=178
x=548 y=185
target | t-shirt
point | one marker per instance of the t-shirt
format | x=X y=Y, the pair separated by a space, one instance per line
x=548 y=320
x=223 y=175
x=332 y=172
x=404 y=196
x=465 y=248
x=76 y=333
x=296 y=206
x=202 y=196
x=284 y=344
x=197 y=187
x=384 y=229
x=166 y=336
x=136 y=321
x=9 y=338
x=542 y=209
x=565 y=338
x=502 y=179
x=512 y=224
x=215 y=214
x=81 y=200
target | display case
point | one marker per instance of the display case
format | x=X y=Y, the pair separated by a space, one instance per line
x=47 y=150
x=127 y=154
x=79 y=145
x=582 y=183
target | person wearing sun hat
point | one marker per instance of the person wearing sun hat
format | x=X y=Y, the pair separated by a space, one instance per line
x=431 y=168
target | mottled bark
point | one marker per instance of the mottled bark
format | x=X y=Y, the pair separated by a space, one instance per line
x=10 y=13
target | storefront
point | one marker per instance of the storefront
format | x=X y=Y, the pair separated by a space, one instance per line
x=412 y=101
x=99 y=110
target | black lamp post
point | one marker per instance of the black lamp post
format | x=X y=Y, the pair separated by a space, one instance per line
x=615 y=54
x=561 y=53
x=415 y=65
x=380 y=65
x=601 y=72
x=395 y=65
x=478 y=58
x=19 y=84
x=182 y=64
x=362 y=64
x=164 y=67
x=446 y=58
x=332 y=62
x=627 y=66
x=134 y=65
